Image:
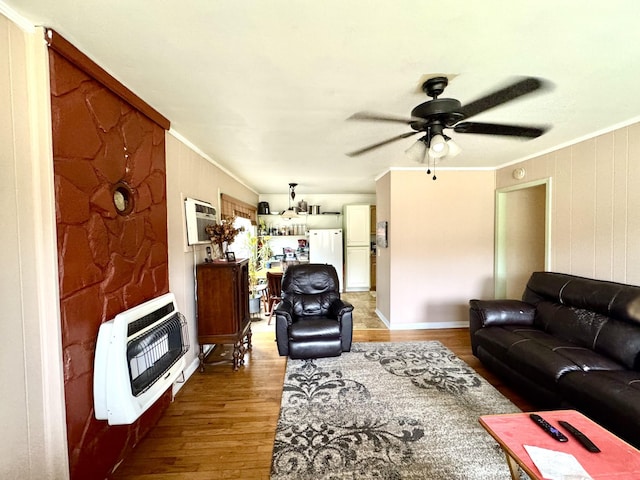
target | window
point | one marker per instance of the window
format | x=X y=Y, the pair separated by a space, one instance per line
x=240 y=245
x=232 y=207
x=246 y=216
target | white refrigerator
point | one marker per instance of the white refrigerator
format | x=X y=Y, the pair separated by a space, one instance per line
x=325 y=246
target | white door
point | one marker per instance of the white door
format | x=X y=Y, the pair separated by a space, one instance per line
x=357 y=269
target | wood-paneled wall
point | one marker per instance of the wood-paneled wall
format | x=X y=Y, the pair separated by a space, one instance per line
x=595 y=207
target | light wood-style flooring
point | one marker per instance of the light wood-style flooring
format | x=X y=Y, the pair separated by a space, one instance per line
x=222 y=423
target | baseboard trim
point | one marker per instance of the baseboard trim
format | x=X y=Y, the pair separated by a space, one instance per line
x=190 y=370
x=421 y=325
x=429 y=325
x=383 y=318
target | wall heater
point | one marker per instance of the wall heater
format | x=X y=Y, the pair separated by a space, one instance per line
x=139 y=355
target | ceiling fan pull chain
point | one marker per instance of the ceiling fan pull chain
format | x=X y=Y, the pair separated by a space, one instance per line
x=431 y=162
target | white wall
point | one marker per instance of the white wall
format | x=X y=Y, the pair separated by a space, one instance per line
x=190 y=174
x=595 y=224
x=440 y=246
x=32 y=414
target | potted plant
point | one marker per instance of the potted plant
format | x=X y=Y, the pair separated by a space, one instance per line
x=222 y=234
x=259 y=254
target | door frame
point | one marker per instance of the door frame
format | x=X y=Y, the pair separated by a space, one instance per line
x=500 y=280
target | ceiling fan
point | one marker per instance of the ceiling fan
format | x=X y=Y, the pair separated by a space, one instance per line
x=436 y=115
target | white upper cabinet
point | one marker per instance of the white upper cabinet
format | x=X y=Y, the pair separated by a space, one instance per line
x=357 y=225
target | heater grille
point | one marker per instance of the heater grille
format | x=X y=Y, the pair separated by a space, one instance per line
x=140 y=324
x=152 y=354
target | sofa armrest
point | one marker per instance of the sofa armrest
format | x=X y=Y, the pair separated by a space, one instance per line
x=338 y=308
x=284 y=317
x=284 y=311
x=485 y=313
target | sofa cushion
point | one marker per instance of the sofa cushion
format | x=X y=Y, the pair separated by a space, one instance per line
x=539 y=355
x=543 y=395
x=614 y=338
x=609 y=397
x=541 y=361
x=621 y=341
x=572 y=324
x=615 y=300
x=315 y=349
x=498 y=340
x=310 y=328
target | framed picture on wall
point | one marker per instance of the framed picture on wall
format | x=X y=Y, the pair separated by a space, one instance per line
x=381 y=234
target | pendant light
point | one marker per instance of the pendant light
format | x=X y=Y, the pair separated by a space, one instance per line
x=291 y=212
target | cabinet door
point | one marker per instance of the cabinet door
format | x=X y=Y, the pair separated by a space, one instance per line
x=372 y=220
x=357 y=268
x=357 y=224
x=372 y=274
x=217 y=300
x=242 y=290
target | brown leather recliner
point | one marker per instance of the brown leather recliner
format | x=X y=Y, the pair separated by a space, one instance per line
x=312 y=320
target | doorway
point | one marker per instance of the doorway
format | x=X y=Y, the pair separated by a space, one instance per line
x=522 y=236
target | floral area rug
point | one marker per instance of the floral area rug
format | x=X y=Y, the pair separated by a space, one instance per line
x=387 y=411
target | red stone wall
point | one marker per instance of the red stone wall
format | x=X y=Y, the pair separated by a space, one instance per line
x=107 y=262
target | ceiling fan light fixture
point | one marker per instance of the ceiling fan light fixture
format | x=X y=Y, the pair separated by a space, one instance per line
x=438 y=147
x=454 y=148
x=417 y=151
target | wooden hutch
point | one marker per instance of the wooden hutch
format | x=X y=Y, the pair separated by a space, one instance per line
x=223 y=308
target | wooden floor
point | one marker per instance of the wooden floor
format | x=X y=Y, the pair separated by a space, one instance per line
x=222 y=423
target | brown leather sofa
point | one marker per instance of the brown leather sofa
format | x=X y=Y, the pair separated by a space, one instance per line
x=572 y=342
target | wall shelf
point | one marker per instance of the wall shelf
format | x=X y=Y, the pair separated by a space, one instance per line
x=297 y=227
x=302 y=235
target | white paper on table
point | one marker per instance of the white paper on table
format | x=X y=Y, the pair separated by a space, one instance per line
x=556 y=465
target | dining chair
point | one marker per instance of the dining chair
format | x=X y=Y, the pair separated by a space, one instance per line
x=274 y=287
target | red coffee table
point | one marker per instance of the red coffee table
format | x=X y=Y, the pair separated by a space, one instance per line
x=617 y=459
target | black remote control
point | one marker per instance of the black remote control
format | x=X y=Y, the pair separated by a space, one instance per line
x=581 y=437
x=547 y=427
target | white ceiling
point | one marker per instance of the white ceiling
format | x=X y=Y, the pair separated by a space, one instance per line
x=263 y=87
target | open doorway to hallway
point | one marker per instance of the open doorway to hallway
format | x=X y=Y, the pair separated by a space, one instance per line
x=522 y=236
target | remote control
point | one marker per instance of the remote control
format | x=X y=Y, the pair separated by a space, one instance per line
x=547 y=427
x=581 y=437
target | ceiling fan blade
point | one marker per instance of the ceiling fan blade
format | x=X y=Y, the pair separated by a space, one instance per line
x=498 y=129
x=506 y=94
x=381 y=117
x=380 y=144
